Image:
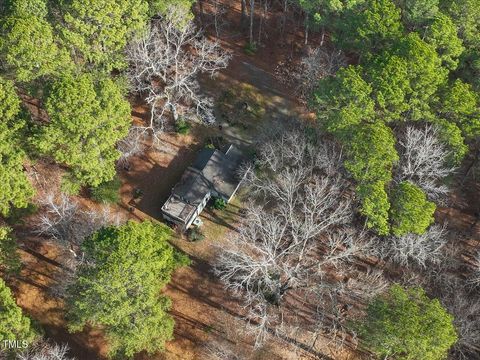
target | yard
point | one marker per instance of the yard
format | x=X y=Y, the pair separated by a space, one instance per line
x=249 y=99
x=202 y=309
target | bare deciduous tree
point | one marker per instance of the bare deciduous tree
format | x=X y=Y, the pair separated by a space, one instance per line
x=318 y=64
x=420 y=250
x=133 y=144
x=423 y=161
x=221 y=351
x=465 y=308
x=291 y=242
x=474 y=279
x=217 y=16
x=43 y=350
x=59 y=220
x=165 y=64
x=64 y=221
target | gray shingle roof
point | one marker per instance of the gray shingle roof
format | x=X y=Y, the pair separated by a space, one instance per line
x=220 y=171
x=211 y=170
x=192 y=188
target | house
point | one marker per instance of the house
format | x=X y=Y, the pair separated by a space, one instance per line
x=213 y=174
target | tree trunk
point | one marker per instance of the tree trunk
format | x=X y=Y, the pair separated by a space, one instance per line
x=262 y=23
x=252 y=14
x=284 y=18
x=306 y=29
x=243 y=18
x=173 y=109
x=200 y=6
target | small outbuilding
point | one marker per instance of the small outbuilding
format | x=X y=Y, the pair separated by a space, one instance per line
x=213 y=174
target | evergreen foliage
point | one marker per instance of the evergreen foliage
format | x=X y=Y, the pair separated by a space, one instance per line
x=411 y=212
x=119 y=287
x=375 y=206
x=98 y=31
x=28 y=44
x=406 y=51
x=107 y=192
x=9 y=258
x=406 y=325
x=344 y=100
x=14 y=325
x=87 y=118
x=15 y=189
x=369 y=28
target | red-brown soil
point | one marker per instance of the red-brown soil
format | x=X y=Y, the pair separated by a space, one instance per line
x=203 y=310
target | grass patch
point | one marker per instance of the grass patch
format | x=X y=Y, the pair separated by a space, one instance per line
x=218 y=223
x=243 y=106
x=107 y=192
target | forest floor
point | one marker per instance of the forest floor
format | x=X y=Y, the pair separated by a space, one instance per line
x=204 y=312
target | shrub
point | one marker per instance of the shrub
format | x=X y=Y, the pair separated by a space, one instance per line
x=250 y=48
x=194 y=234
x=182 y=127
x=107 y=192
x=219 y=204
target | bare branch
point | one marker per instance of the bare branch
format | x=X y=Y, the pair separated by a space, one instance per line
x=289 y=243
x=43 y=350
x=318 y=64
x=165 y=64
x=420 y=250
x=133 y=144
x=423 y=161
x=474 y=279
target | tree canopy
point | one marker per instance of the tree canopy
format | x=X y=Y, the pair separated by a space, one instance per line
x=344 y=100
x=388 y=75
x=425 y=74
x=442 y=33
x=460 y=105
x=14 y=325
x=28 y=44
x=119 y=286
x=418 y=12
x=405 y=325
x=407 y=52
x=98 y=31
x=372 y=152
x=375 y=206
x=369 y=27
x=9 y=258
x=410 y=212
x=87 y=118
x=15 y=189
x=156 y=7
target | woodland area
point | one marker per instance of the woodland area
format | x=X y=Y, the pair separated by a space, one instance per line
x=356 y=230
